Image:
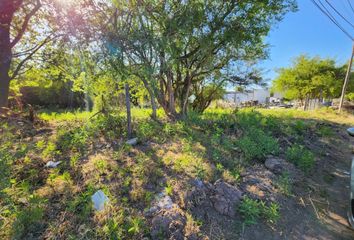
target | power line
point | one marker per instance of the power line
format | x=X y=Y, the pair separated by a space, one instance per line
x=333 y=20
x=339 y=13
x=351 y=6
x=328 y=12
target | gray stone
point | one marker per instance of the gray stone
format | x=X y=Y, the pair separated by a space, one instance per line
x=275 y=165
x=169 y=224
x=226 y=198
x=222 y=197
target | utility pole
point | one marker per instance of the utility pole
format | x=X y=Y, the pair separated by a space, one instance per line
x=346 y=80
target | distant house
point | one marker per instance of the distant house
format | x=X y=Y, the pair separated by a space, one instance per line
x=261 y=95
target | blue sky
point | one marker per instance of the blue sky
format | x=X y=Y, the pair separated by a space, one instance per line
x=308 y=31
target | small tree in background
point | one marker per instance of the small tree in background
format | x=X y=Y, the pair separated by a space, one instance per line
x=310 y=78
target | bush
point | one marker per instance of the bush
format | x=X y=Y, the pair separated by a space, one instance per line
x=148 y=130
x=325 y=131
x=301 y=157
x=256 y=144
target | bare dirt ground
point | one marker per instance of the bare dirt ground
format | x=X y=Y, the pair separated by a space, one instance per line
x=318 y=207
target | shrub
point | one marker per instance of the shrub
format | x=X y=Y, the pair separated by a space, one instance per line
x=301 y=157
x=299 y=127
x=325 y=131
x=148 y=130
x=256 y=144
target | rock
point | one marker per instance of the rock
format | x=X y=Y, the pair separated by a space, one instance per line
x=161 y=202
x=226 y=198
x=52 y=164
x=165 y=203
x=169 y=224
x=281 y=166
x=99 y=199
x=258 y=182
x=275 y=165
x=222 y=197
x=132 y=141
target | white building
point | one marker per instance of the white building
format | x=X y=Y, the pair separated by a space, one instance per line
x=261 y=95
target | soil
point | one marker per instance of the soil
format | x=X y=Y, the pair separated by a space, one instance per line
x=318 y=207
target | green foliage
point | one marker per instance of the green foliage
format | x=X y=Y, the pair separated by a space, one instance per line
x=81 y=204
x=147 y=130
x=310 y=77
x=270 y=213
x=29 y=219
x=75 y=139
x=256 y=144
x=325 y=131
x=201 y=32
x=350 y=96
x=136 y=225
x=111 y=126
x=301 y=157
x=169 y=189
x=251 y=210
x=284 y=184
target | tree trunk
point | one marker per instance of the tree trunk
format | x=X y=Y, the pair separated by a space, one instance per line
x=171 y=97
x=4 y=87
x=307 y=100
x=127 y=104
x=153 y=104
x=7 y=10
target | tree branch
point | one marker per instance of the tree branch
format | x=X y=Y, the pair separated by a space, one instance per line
x=20 y=65
x=25 y=24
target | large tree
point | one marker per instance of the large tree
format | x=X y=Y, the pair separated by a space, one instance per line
x=174 y=46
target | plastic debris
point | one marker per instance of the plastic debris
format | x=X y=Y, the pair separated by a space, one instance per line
x=132 y=141
x=99 y=200
x=52 y=164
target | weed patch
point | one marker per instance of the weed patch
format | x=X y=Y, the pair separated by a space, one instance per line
x=301 y=157
x=251 y=210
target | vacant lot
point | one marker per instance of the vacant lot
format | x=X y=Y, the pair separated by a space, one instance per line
x=249 y=174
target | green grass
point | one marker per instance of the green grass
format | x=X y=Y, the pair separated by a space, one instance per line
x=64 y=115
x=217 y=144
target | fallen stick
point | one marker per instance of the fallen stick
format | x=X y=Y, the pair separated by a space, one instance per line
x=313 y=205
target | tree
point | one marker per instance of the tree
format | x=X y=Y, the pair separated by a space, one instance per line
x=175 y=46
x=310 y=78
x=8 y=9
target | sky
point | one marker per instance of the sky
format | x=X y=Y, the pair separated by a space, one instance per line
x=308 y=31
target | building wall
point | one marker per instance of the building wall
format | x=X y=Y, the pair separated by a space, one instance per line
x=260 y=95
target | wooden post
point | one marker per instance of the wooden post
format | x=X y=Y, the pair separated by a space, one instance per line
x=127 y=104
x=346 y=80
